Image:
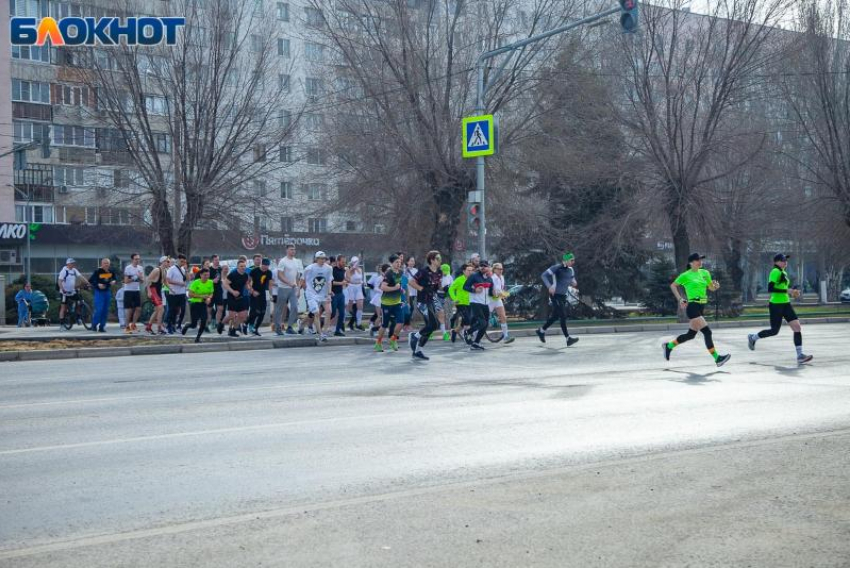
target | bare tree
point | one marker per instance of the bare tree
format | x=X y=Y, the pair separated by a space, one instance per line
x=817 y=88
x=688 y=78
x=405 y=78
x=201 y=121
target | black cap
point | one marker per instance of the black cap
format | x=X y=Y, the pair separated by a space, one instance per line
x=695 y=256
x=267 y=262
x=781 y=257
x=483 y=264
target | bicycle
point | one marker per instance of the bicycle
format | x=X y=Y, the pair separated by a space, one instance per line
x=79 y=312
x=494 y=329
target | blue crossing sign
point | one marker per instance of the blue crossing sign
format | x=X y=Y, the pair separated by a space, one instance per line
x=479 y=138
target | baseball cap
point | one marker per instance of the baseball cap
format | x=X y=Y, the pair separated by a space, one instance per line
x=321 y=254
x=695 y=256
x=483 y=264
x=355 y=260
x=163 y=259
x=475 y=255
x=70 y=261
x=781 y=257
x=267 y=262
x=568 y=256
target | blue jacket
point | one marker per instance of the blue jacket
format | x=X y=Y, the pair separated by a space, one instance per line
x=23 y=297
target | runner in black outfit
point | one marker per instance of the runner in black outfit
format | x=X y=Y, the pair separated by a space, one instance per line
x=261 y=277
x=427 y=283
x=558 y=279
x=480 y=288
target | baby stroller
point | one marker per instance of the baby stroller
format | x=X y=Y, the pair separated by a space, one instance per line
x=38 y=309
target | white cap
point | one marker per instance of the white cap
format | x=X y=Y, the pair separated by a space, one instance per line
x=355 y=260
x=70 y=261
x=162 y=259
x=321 y=254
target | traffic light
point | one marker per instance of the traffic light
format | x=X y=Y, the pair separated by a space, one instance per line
x=473 y=217
x=629 y=15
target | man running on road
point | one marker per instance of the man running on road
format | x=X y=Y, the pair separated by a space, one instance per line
x=559 y=278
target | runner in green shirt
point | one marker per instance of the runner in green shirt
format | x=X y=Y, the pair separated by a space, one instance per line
x=392 y=316
x=200 y=296
x=460 y=297
x=779 y=286
x=697 y=283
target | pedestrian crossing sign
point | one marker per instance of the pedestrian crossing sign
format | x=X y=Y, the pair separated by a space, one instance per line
x=478 y=136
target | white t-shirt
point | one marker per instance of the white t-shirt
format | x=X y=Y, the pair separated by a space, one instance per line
x=292 y=268
x=411 y=274
x=318 y=280
x=177 y=274
x=68 y=280
x=375 y=284
x=446 y=281
x=135 y=284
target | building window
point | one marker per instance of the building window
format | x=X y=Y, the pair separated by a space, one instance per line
x=314 y=18
x=30 y=92
x=380 y=229
x=163 y=143
x=37 y=214
x=351 y=226
x=286 y=224
x=259 y=188
x=31 y=53
x=263 y=223
x=283 y=82
x=259 y=152
x=66 y=135
x=30 y=8
x=122 y=179
x=314 y=52
x=156 y=105
x=314 y=121
x=283 y=11
x=68 y=176
x=71 y=96
x=313 y=87
x=25 y=131
x=285 y=119
x=286 y=154
x=317 y=225
x=256 y=43
x=286 y=190
x=316 y=191
x=283 y=47
x=316 y=157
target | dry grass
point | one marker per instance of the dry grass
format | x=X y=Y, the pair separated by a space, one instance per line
x=56 y=344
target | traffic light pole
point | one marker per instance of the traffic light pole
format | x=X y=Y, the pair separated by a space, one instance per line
x=482 y=91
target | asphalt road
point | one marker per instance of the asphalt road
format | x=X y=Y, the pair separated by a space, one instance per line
x=525 y=455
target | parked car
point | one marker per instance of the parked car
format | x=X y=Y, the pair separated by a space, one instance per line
x=845 y=295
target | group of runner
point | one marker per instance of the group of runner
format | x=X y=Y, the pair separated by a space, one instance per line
x=456 y=306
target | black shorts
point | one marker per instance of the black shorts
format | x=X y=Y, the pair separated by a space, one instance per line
x=237 y=305
x=217 y=297
x=132 y=299
x=778 y=312
x=394 y=313
x=67 y=300
x=695 y=310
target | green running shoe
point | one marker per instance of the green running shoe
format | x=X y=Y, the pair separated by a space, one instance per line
x=379 y=348
x=393 y=345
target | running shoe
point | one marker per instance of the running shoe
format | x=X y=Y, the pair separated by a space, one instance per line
x=379 y=348
x=184 y=330
x=420 y=355
x=509 y=339
x=393 y=344
x=279 y=332
x=572 y=341
x=751 y=341
x=454 y=336
x=446 y=336
x=128 y=331
x=541 y=335
x=667 y=351
x=290 y=331
x=802 y=359
x=722 y=360
x=412 y=341
x=251 y=330
x=359 y=327
x=232 y=333
x=256 y=333
x=476 y=347
x=339 y=334
x=323 y=337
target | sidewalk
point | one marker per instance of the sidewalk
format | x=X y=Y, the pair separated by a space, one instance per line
x=175 y=344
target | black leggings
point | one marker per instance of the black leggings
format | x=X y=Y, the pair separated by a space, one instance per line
x=198 y=312
x=559 y=312
x=432 y=324
x=690 y=334
x=176 y=310
x=778 y=312
x=480 y=315
x=258 y=310
x=462 y=313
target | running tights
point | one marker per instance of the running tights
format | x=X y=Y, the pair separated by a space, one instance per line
x=432 y=324
x=480 y=320
x=690 y=334
x=559 y=312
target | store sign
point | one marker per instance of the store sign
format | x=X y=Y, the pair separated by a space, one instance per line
x=250 y=242
x=13 y=231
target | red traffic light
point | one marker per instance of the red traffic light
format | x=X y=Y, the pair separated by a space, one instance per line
x=475 y=209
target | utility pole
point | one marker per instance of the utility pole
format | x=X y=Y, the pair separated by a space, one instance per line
x=628 y=20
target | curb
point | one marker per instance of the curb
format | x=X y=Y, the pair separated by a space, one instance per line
x=267 y=344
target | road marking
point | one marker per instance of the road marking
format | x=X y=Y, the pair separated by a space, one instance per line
x=178 y=528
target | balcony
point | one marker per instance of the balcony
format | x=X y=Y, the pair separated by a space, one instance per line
x=32 y=111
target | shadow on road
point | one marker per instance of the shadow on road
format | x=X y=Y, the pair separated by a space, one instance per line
x=695 y=379
x=780 y=369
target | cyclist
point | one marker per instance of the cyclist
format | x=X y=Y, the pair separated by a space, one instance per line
x=558 y=278
x=496 y=302
x=697 y=282
x=778 y=284
x=67 y=283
